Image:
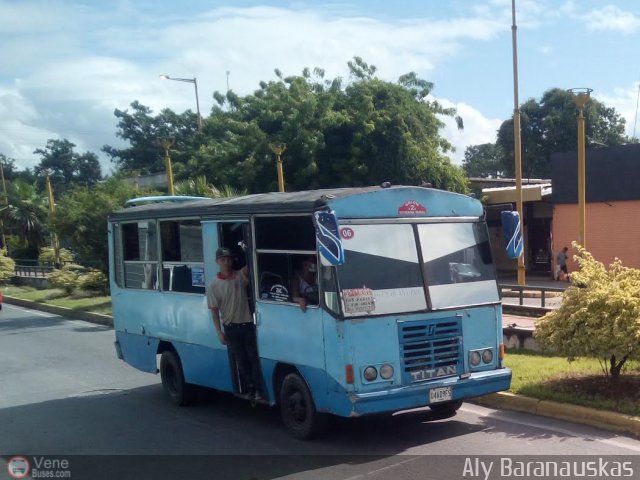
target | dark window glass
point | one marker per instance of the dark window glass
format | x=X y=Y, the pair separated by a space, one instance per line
x=285 y=233
x=182 y=256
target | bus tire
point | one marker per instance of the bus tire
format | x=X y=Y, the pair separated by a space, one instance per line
x=179 y=392
x=297 y=409
x=446 y=410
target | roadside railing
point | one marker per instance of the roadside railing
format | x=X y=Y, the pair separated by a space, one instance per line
x=529 y=291
x=33 y=271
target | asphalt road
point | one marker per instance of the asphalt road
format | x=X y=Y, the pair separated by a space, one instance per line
x=64 y=393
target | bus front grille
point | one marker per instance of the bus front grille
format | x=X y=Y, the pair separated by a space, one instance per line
x=430 y=349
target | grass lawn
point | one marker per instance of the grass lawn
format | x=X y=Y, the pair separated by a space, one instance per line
x=581 y=382
x=83 y=301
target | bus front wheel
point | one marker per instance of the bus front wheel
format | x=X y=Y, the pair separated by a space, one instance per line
x=179 y=392
x=298 y=412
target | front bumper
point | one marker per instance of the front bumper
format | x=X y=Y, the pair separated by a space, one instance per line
x=415 y=396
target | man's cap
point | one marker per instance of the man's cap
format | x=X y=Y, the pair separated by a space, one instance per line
x=224 y=252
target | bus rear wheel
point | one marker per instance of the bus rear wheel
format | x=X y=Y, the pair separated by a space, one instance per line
x=446 y=410
x=297 y=409
x=179 y=392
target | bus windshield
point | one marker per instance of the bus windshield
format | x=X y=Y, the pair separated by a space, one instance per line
x=382 y=271
x=457 y=264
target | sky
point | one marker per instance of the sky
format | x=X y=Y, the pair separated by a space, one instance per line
x=65 y=66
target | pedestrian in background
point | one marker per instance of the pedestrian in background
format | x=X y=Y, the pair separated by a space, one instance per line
x=561 y=265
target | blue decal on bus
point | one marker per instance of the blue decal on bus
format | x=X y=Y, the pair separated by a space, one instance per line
x=328 y=238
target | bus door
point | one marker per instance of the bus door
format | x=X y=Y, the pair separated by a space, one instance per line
x=233 y=234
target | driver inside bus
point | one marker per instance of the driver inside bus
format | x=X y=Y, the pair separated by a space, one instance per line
x=304 y=284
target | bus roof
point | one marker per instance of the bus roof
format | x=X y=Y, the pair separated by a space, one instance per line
x=376 y=201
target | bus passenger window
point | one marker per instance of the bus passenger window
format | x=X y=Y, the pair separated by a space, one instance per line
x=330 y=288
x=182 y=256
x=304 y=281
x=139 y=243
x=273 y=277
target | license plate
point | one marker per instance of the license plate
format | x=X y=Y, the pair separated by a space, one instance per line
x=440 y=394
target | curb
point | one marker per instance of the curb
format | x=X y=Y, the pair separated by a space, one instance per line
x=63 y=311
x=526 y=310
x=612 y=421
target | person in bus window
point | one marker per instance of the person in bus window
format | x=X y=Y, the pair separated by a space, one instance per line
x=304 y=285
x=229 y=305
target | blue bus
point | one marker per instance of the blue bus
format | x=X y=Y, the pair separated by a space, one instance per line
x=406 y=312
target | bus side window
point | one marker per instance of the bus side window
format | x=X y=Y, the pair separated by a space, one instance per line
x=182 y=256
x=329 y=287
x=139 y=242
x=273 y=277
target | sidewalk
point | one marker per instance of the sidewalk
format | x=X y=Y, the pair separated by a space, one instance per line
x=538 y=280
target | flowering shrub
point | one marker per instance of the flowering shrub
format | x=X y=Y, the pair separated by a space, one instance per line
x=599 y=316
x=94 y=281
x=7 y=266
x=66 y=278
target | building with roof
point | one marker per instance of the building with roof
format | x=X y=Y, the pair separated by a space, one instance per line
x=550 y=209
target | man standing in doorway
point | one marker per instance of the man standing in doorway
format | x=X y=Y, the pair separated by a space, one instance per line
x=563 y=273
x=229 y=305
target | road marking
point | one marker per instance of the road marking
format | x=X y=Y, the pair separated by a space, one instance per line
x=383 y=469
x=90 y=393
x=35 y=312
x=485 y=412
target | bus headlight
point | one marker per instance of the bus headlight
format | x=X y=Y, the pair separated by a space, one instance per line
x=370 y=374
x=487 y=356
x=386 y=371
x=474 y=358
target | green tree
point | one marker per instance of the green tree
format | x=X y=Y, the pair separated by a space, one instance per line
x=483 y=160
x=145 y=134
x=8 y=167
x=599 y=315
x=65 y=166
x=365 y=133
x=7 y=266
x=81 y=217
x=199 y=187
x=550 y=125
x=27 y=215
x=47 y=255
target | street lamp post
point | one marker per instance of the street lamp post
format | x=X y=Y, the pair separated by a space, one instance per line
x=580 y=98
x=5 y=206
x=52 y=212
x=166 y=145
x=195 y=84
x=517 y=140
x=279 y=149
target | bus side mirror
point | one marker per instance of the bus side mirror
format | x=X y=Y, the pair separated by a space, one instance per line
x=511 y=228
x=328 y=238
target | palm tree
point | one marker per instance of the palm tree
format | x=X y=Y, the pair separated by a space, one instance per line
x=201 y=188
x=27 y=214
